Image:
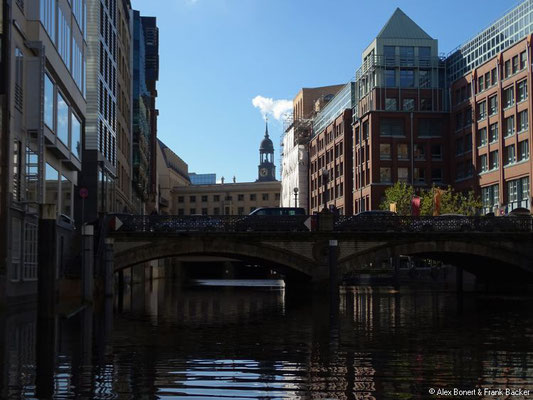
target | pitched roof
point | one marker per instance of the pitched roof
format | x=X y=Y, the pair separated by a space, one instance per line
x=400 y=26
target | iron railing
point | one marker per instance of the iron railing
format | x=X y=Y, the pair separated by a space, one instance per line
x=304 y=223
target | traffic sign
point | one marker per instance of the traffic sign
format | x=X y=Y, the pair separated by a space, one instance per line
x=84 y=193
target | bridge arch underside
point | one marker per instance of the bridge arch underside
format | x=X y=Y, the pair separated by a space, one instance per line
x=493 y=261
x=292 y=266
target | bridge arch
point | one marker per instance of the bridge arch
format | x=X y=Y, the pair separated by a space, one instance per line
x=128 y=254
x=479 y=258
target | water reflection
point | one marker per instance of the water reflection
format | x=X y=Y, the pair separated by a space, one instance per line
x=165 y=341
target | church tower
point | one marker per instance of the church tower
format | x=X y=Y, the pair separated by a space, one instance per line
x=267 y=169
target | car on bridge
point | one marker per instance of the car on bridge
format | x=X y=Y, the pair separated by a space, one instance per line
x=371 y=221
x=272 y=219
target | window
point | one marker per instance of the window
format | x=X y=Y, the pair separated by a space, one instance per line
x=490 y=197
x=518 y=193
x=47 y=14
x=428 y=127
x=391 y=104
x=408 y=104
x=459 y=146
x=19 y=79
x=458 y=121
x=240 y=197
x=436 y=152
x=493 y=132
x=515 y=64
x=508 y=97
x=493 y=105
x=480 y=86
x=66 y=196
x=385 y=174
x=424 y=52
x=204 y=199
x=216 y=211
x=181 y=199
x=523 y=150
x=365 y=130
x=385 y=151
x=468 y=143
x=487 y=80
x=192 y=211
x=192 y=199
x=424 y=78
x=522 y=121
x=392 y=127
x=52 y=185
x=425 y=104
x=482 y=137
x=521 y=94
x=278 y=195
x=253 y=197
x=436 y=175
x=508 y=126
x=181 y=211
x=509 y=155
x=420 y=175
x=493 y=76
x=403 y=151
x=48 y=102
x=483 y=163
x=265 y=196
x=493 y=160
x=481 y=110
x=390 y=78
x=420 y=152
x=228 y=198
x=523 y=60
x=29 y=272
x=32 y=175
x=468 y=117
x=16 y=248
x=390 y=54
x=240 y=211
x=507 y=68
x=407 y=78
x=62 y=119
x=63 y=37
x=204 y=211
x=403 y=174
x=75 y=136
x=407 y=55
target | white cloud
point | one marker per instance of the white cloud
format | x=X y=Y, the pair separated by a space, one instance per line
x=276 y=108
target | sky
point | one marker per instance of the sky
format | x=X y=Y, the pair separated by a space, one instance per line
x=224 y=64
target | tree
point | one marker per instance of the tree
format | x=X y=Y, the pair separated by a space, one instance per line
x=401 y=194
x=451 y=202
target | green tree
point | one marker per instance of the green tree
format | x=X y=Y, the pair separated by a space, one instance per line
x=451 y=202
x=401 y=194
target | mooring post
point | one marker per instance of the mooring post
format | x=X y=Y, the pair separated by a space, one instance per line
x=108 y=274
x=87 y=266
x=332 y=263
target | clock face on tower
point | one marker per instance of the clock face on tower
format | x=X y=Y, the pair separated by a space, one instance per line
x=263 y=172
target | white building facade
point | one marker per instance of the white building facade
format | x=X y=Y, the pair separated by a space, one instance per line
x=294 y=172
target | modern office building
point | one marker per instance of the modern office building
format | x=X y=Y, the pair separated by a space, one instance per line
x=123 y=185
x=173 y=172
x=400 y=114
x=141 y=118
x=100 y=149
x=490 y=77
x=330 y=155
x=294 y=153
x=44 y=105
x=202 y=179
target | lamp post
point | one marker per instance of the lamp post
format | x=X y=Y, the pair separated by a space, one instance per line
x=325 y=177
x=295 y=197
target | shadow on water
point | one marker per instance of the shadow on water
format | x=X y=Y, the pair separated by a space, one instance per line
x=166 y=341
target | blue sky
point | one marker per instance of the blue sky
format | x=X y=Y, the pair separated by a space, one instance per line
x=216 y=56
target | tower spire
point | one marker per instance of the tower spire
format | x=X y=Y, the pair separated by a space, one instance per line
x=266 y=128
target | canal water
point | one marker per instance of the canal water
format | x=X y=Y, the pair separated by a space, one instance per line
x=162 y=341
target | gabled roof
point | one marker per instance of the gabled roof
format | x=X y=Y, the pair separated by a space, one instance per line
x=400 y=26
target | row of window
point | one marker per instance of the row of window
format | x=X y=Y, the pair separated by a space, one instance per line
x=402 y=175
x=408 y=104
x=217 y=197
x=58 y=190
x=518 y=193
x=508 y=101
x=509 y=129
x=334 y=193
x=510 y=156
x=407 y=78
x=214 y=211
x=427 y=127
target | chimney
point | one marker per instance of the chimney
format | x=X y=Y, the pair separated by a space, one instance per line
x=234 y=179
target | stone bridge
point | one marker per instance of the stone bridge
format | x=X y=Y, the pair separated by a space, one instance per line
x=495 y=248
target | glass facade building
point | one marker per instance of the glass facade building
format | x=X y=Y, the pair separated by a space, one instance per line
x=203 y=179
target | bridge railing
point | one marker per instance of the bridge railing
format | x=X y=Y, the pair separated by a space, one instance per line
x=443 y=224
x=305 y=223
x=205 y=223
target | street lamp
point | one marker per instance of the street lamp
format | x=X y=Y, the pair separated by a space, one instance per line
x=325 y=177
x=295 y=197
